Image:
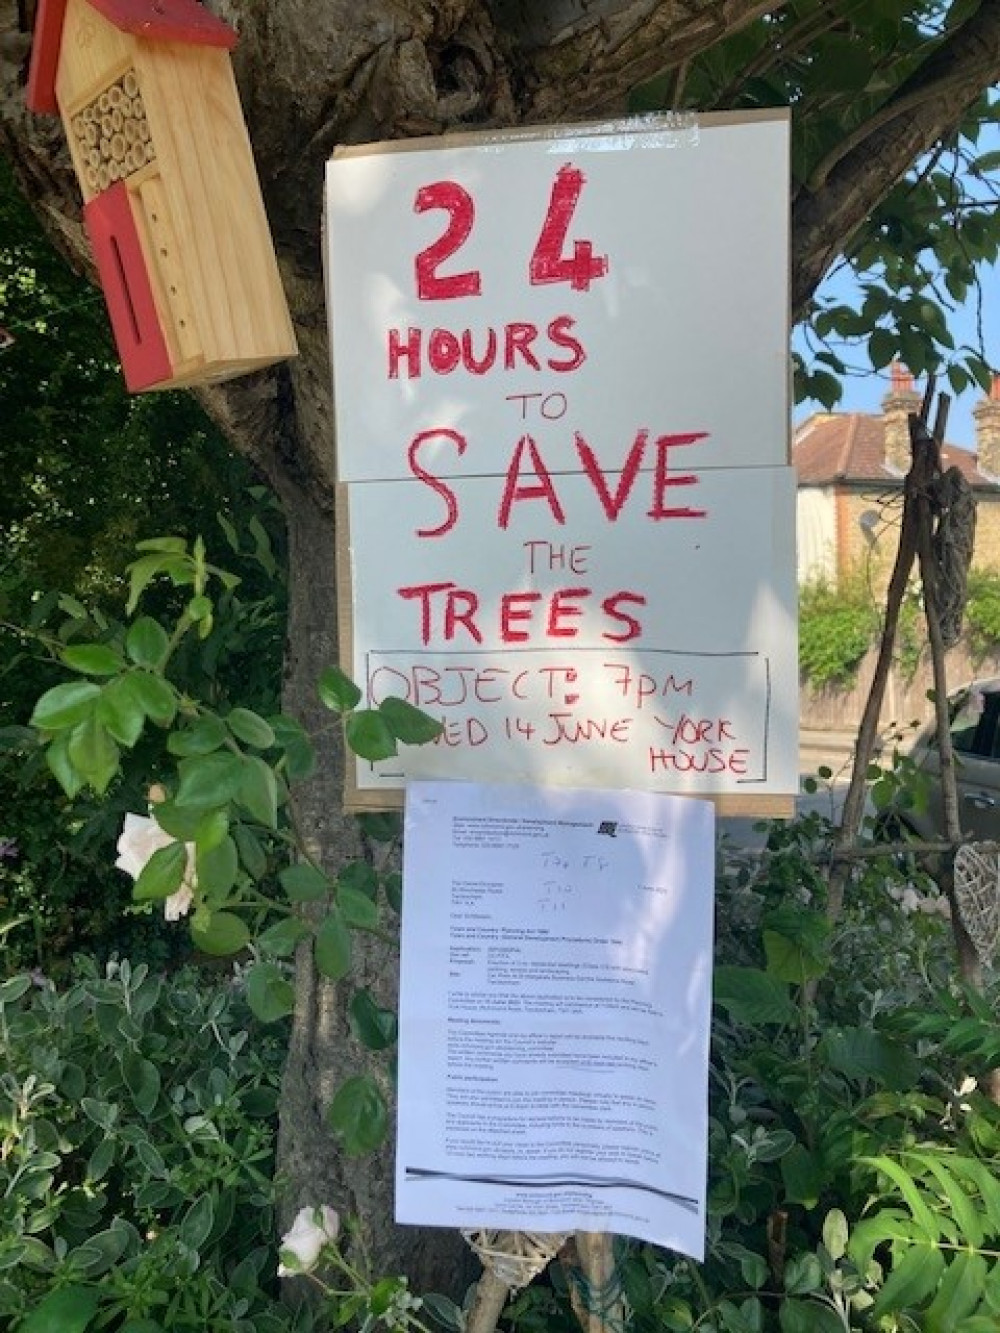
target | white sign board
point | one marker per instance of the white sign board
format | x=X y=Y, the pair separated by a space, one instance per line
x=561 y=370
x=555 y=992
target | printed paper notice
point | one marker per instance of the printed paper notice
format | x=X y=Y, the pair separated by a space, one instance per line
x=554 y=1011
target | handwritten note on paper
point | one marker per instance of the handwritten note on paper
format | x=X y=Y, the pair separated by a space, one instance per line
x=563 y=452
x=554 y=1011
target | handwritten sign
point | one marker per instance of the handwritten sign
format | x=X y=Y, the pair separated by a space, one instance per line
x=560 y=367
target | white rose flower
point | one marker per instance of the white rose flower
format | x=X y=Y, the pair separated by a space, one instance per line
x=910 y=901
x=140 y=838
x=301 y=1244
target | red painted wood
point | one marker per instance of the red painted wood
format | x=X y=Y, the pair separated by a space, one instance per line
x=127 y=290
x=41 y=96
x=154 y=20
x=168 y=21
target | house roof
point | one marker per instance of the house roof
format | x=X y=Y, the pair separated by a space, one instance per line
x=155 y=20
x=849 y=447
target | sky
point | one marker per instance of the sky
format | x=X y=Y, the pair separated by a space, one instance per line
x=864 y=393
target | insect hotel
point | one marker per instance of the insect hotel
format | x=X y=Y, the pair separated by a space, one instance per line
x=172 y=204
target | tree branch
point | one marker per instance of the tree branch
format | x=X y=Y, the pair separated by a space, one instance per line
x=581 y=57
x=929 y=105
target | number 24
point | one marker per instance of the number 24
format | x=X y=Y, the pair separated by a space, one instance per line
x=548 y=262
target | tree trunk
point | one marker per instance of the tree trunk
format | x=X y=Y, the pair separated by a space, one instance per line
x=315 y=75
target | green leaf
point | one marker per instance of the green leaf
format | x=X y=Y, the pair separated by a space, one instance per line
x=258 y=790
x=914 y=1199
x=283 y=937
x=964 y=1212
x=369 y=736
x=358 y=1115
x=93 y=753
x=251 y=729
x=216 y=868
x=861 y=1053
x=209 y=780
x=751 y=996
x=196 y=1224
x=225 y=933
x=120 y=712
x=802 y=1176
x=146 y=642
x=269 y=993
x=252 y=853
x=393 y=885
x=156 y=697
x=337 y=691
x=360 y=913
x=67 y=1310
x=304 y=883
x=373 y=1026
x=911 y=1281
x=143 y=1081
x=360 y=876
x=65 y=705
x=410 y=725
x=798 y=1316
x=788 y=960
x=300 y=758
x=61 y=766
x=162 y=874
x=204 y=735
x=13 y=988
x=959 y=1294
x=882 y=347
x=835 y=1234
x=333 y=946
x=141 y=574
x=94 y=659
x=184 y=824
x=170 y=545
x=803 y=1274
x=380 y=825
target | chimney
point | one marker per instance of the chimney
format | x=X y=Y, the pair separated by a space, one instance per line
x=899 y=402
x=986 y=415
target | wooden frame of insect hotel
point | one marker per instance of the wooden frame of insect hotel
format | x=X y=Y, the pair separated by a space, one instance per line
x=172 y=204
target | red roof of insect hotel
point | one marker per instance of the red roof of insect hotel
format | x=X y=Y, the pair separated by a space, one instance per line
x=156 y=20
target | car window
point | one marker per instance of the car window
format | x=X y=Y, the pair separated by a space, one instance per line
x=974 y=729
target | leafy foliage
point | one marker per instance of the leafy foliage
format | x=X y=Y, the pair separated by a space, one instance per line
x=137 y=1125
x=837 y=626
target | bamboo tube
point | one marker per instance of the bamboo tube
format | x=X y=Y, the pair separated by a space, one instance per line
x=138 y=108
x=106 y=127
x=144 y=131
x=103 y=104
x=114 y=171
x=118 y=148
x=91 y=134
x=116 y=121
x=130 y=84
x=94 y=158
x=150 y=153
x=131 y=131
x=90 y=175
x=135 y=160
x=103 y=177
x=115 y=96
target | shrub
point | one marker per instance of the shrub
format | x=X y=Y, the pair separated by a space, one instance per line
x=837 y=625
x=137 y=1123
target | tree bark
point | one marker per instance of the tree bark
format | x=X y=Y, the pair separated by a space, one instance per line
x=313 y=76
